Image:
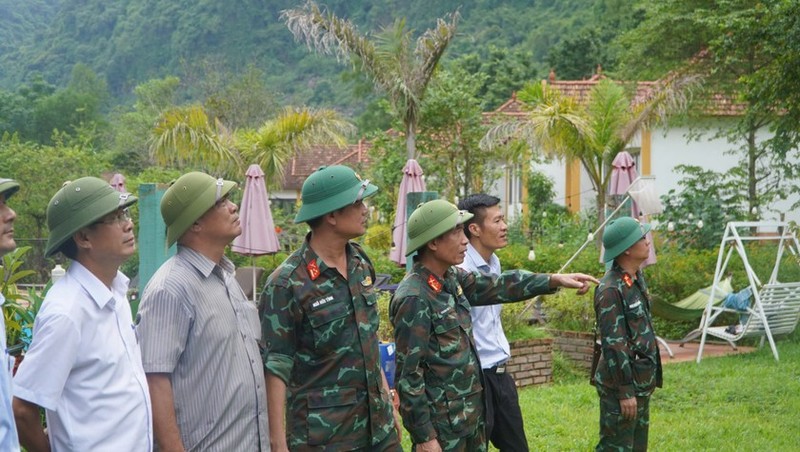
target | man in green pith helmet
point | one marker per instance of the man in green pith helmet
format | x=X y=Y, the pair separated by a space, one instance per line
x=8 y=432
x=325 y=386
x=199 y=334
x=84 y=366
x=629 y=369
x=438 y=369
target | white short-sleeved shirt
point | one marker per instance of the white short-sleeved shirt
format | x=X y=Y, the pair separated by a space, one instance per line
x=487 y=328
x=8 y=433
x=84 y=367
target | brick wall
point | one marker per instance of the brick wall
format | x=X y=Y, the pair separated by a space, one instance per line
x=531 y=362
x=575 y=346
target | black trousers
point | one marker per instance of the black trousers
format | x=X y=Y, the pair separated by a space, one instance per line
x=504 y=426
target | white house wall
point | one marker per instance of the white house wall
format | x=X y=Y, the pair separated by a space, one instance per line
x=667 y=151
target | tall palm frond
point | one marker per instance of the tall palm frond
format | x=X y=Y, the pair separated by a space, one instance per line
x=294 y=130
x=184 y=136
x=670 y=96
x=388 y=61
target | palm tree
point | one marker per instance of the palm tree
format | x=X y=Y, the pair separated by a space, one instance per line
x=594 y=131
x=393 y=66
x=293 y=131
x=184 y=136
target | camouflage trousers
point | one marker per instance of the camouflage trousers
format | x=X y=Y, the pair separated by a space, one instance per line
x=476 y=442
x=618 y=434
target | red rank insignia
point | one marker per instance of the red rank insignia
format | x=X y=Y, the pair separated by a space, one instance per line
x=627 y=280
x=434 y=283
x=313 y=269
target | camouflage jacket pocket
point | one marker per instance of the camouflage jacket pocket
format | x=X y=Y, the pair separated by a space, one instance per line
x=330 y=412
x=447 y=329
x=644 y=375
x=329 y=325
x=460 y=415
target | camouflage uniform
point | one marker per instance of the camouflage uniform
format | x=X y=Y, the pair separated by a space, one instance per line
x=630 y=364
x=320 y=333
x=438 y=372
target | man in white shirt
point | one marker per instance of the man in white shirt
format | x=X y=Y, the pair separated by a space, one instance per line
x=8 y=433
x=487 y=232
x=83 y=366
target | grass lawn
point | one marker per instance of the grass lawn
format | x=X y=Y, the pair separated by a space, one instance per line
x=738 y=403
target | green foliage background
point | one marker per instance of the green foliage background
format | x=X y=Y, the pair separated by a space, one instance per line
x=129 y=42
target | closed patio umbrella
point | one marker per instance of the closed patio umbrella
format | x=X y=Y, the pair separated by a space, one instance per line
x=412 y=182
x=258 y=230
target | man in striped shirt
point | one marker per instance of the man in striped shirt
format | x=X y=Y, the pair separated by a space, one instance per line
x=199 y=334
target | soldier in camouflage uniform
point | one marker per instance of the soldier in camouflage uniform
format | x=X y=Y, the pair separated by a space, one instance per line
x=438 y=372
x=320 y=322
x=630 y=366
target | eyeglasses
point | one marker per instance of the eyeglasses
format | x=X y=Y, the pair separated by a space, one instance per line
x=120 y=217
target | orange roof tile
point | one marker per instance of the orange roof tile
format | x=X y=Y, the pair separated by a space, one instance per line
x=718 y=104
x=305 y=163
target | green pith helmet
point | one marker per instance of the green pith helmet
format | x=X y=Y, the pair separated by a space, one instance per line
x=188 y=198
x=8 y=187
x=79 y=204
x=330 y=188
x=432 y=219
x=621 y=234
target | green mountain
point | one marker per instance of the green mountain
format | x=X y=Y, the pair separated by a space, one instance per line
x=130 y=41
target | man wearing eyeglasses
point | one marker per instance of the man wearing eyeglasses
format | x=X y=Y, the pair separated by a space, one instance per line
x=200 y=336
x=83 y=366
x=325 y=386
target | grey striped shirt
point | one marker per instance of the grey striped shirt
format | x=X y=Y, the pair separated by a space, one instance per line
x=195 y=323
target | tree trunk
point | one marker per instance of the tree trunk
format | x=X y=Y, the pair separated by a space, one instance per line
x=752 y=160
x=411 y=141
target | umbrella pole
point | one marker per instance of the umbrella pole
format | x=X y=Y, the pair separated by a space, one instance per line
x=253 y=267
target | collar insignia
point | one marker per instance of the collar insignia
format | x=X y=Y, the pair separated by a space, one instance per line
x=313 y=269
x=626 y=278
x=434 y=283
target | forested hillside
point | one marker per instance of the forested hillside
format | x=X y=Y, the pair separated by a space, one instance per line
x=130 y=41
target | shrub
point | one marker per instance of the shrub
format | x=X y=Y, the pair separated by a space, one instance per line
x=385 y=330
x=379 y=236
x=569 y=311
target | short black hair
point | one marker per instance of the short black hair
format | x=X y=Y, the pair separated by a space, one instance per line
x=477 y=204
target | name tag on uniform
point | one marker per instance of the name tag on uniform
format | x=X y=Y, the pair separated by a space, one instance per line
x=635 y=305
x=317 y=304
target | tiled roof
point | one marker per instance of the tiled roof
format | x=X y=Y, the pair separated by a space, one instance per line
x=305 y=163
x=717 y=105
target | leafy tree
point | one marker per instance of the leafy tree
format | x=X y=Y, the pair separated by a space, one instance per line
x=579 y=57
x=41 y=170
x=130 y=129
x=452 y=129
x=505 y=71
x=735 y=44
x=401 y=72
x=707 y=196
x=594 y=131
